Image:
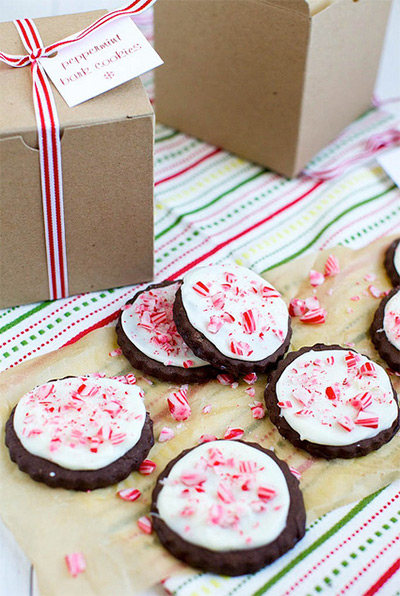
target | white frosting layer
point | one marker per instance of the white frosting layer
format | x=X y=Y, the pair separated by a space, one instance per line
x=237 y=310
x=149 y=325
x=80 y=423
x=364 y=399
x=391 y=320
x=225 y=495
x=396 y=259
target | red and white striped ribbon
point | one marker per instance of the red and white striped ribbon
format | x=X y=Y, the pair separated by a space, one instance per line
x=49 y=136
x=376 y=143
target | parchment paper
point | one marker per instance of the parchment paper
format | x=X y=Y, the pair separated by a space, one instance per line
x=49 y=523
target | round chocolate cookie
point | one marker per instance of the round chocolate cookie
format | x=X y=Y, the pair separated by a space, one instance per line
x=332 y=402
x=148 y=338
x=80 y=433
x=228 y=507
x=385 y=329
x=233 y=318
x=392 y=262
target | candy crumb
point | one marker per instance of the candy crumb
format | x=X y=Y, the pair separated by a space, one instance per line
x=233 y=434
x=116 y=352
x=207 y=409
x=166 y=434
x=144 y=524
x=76 y=563
x=129 y=494
x=206 y=438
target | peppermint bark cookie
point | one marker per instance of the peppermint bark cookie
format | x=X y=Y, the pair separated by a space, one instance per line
x=392 y=262
x=233 y=318
x=385 y=329
x=149 y=339
x=80 y=433
x=332 y=402
x=228 y=507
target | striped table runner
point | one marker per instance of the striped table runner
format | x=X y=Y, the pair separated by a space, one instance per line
x=210 y=206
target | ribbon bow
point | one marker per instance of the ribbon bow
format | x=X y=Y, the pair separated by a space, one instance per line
x=49 y=136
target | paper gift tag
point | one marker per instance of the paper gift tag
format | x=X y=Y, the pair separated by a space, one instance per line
x=108 y=57
x=390 y=162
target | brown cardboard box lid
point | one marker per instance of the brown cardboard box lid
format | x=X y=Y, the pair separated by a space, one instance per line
x=17 y=116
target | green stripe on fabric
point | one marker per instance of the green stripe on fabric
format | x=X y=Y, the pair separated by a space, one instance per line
x=314 y=240
x=335 y=528
x=25 y=316
x=167 y=137
x=179 y=219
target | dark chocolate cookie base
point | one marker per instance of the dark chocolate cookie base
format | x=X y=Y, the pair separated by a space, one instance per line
x=171 y=374
x=55 y=476
x=206 y=350
x=234 y=562
x=384 y=347
x=350 y=451
x=393 y=274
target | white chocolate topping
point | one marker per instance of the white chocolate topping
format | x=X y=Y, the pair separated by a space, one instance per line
x=396 y=259
x=391 y=320
x=225 y=495
x=240 y=313
x=149 y=325
x=80 y=423
x=336 y=397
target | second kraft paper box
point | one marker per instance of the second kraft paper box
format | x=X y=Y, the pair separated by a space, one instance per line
x=107 y=161
x=273 y=81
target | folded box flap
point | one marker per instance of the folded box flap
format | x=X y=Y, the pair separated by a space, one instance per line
x=299 y=6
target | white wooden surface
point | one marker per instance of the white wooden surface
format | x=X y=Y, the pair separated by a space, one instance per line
x=16 y=574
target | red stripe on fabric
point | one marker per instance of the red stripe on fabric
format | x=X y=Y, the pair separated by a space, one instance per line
x=59 y=229
x=383 y=579
x=193 y=165
x=42 y=132
x=97 y=325
x=243 y=233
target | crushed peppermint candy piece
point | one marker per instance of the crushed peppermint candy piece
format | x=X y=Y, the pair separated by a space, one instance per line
x=332 y=393
x=201 y=288
x=166 y=434
x=76 y=563
x=314 y=317
x=249 y=321
x=207 y=409
x=206 y=438
x=374 y=291
x=367 y=419
x=312 y=303
x=268 y=292
x=362 y=401
x=368 y=370
x=346 y=422
x=233 y=434
x=250 y=391
x=285 y=404
x=316 y=278
x=147 y=467
x=225 y=379
x=265 y=494
x=240 y=348
x=178 y=404
x=332 y=267
x=129 y=494
x=250 y=378
x=297 y=307
x=116 y=352
x=295 y=472
x=145 y=524
x=257 y=410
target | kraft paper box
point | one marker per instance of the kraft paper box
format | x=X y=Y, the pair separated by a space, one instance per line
x=107 y=160
x=273 y=81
